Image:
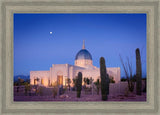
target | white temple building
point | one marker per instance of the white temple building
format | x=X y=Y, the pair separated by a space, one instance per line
x=60 y=72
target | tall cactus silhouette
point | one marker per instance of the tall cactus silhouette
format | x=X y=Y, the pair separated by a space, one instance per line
x=79 y=84
x=104 y=80
x=138 y=72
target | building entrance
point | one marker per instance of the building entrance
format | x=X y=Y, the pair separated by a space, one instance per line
x=60 y=79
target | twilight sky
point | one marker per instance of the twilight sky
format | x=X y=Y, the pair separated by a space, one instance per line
x=106 y=35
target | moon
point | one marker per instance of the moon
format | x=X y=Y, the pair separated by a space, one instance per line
x=50 y=32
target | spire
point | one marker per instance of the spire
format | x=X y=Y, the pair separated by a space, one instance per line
x=83 y=47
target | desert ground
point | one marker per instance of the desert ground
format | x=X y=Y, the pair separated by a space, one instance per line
x=47 y=95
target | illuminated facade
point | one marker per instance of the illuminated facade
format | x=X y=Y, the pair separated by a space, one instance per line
x=60 y=72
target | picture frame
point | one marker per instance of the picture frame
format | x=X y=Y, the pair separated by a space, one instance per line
x=8 y=8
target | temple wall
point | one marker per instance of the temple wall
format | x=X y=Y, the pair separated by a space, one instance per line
x=70 y=71
x=89 y=73
x=61 y=70
x=83 y=62
x=115 y=72
x=42 y=75
x=95 y=73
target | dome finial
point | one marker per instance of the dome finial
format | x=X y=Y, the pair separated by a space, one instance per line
x=83 y=47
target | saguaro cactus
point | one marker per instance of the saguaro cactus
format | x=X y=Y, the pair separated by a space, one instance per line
x=138 y=72
x=104 y=80
x=79 y=84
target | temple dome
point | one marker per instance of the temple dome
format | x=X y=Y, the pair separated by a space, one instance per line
x=83 y=54
x=83 y=58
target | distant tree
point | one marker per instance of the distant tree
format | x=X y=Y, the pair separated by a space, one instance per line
x=91 y=83
x=134 y=78
x=55 y=89
x=123 y=79
x=68 y=80
x=27 y=87
x=15 y=83
x=91 y=80
x=74 y=82
x=85 y=80
x=97 y=83
x=111 y=79
x=28 y=81
x=20 y=81
x=144 y=78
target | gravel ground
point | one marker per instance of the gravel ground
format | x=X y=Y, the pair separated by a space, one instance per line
x=71 y=96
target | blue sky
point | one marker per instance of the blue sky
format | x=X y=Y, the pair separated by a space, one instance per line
x=107 y=35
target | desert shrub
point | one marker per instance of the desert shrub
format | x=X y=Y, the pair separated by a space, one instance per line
x=55 y=89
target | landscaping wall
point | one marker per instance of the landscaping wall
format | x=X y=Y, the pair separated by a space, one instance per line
x=121 y=88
